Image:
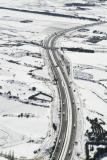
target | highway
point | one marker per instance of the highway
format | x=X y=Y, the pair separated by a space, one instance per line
x=67 y=133
x=65 y=142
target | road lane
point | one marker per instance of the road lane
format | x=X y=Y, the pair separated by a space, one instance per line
x=64 y=149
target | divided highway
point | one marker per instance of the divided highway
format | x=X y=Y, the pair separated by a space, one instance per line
x=65 y=141
x=67 y=132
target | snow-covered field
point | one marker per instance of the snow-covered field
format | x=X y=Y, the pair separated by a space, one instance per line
x=27 y=93
x=28 y=98
x=95 y=9
x=90 y=81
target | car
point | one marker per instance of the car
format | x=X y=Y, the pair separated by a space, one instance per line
x=59 y=141
x=69 y=152
x=73 y=102
x=76 y=142
x=63 y=113
x=74 y=125
x=69 y=85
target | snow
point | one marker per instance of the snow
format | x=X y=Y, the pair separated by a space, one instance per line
x=21 y=54
x=16 y=61
x=90 y=94
x=88 y=59
x=2 y=158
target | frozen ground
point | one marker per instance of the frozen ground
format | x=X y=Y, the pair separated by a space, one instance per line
x=27 y=93
x=90 y=81
x=94 y=9
x=28 y=97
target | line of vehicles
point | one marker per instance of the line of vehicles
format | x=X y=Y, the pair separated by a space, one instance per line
x=73 y=102
x=65 y=153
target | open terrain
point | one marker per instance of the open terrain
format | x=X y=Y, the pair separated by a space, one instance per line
x=87 y=51
x=29 y=98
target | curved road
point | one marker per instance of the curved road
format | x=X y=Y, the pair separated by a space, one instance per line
x=66 y=139
x=67 y=132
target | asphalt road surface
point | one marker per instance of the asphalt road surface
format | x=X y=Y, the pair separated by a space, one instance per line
x=67 y=134
x=63 y=150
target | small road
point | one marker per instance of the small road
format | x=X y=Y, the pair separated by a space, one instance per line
x=48 y=13
x=67 y=132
